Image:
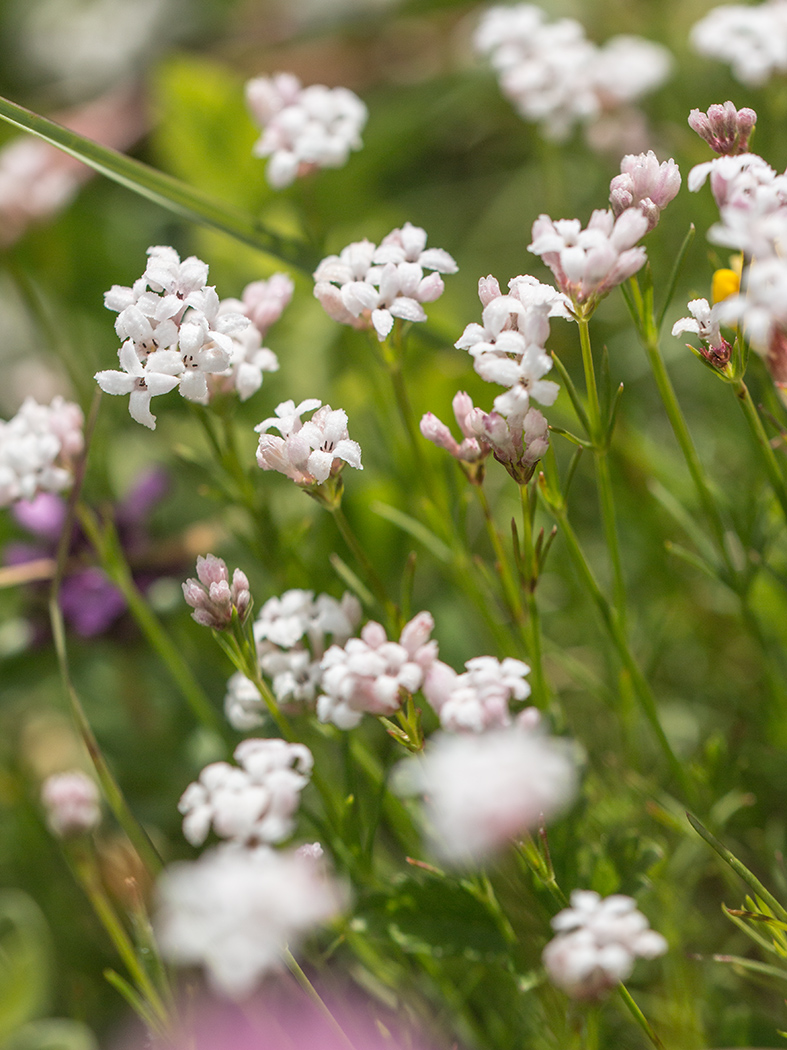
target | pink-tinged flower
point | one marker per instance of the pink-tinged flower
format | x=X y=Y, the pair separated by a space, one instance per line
x=309 y=452
x=597 y=944
x=263 y=302
x=212 y=597
x=38 y=448
x=303 y=128
x=478 y=699
x=518 y=444
x=588 y=263
x=704 y=322
x=483 y=790
x=751 y=38
x=645 y=184
x=374 y=675
x=523 y=377
x=235 y=910
x=72 y=804
x=252 y=803
x=725 y=128
x=471 y=450
x=248 y=359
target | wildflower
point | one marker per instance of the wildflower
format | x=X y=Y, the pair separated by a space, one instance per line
x=627 y=67
x=211 y=595
x=249 y=359
x=645 y=184
x=597 y=944
x=372 y=674
x=471 y=450
x=303 y=128
x=263 y=302
x=518 y=444
x=725 y=128
x=72 y=805
x=478 y=699
x=310 y=452
x=368 y=286
x=235 y=910
x=704 y=321
x=483 y=790
x=752 y=39
x=588 y=263
x=243 y=703
x=37 y=449
x=253 y=804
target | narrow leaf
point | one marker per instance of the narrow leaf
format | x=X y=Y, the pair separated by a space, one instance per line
x=677 y=266
x=576 y=400
x=343 y=570
x=414 y=528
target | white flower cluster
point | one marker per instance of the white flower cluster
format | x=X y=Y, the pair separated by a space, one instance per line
x=478 y=699
x=752 y=38
x=597 y=943
x=253 y=804
x=372 y=674
x=235 y=910
x=705 y=323
x=303 y=128
x=645 y=184
x=483 y=790
x=310 y=452
x=37 y=448
x=366 y=284
x=291 y=633
x=554 y=76
x=174 y=333
x=72 y=803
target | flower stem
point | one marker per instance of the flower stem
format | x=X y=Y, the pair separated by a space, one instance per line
x=639 y=1017
x=772 y=469
x=295 y=969
x=372 y=576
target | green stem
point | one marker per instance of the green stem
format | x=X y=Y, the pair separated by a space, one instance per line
x=763 y=444
x=535 y=649
x=312 y=993
x=510 y=589
x=639 y=1017
x=372 y=576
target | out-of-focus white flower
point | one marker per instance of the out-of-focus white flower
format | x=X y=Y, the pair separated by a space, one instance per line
x=303 y=128
x=37 y=449
x=72 y=804
x=243 y=705
x=588 y=263
x=478 y=699
x=263 y=302
x=751 y=38
x=369 y=286
x=372 y=674
x=235 y=910
x=483 y=790
x=597 y=944
x=212 y=597
x=310 y=452
x=761 y=314
x=554 y=76
x=725 y=128
x=253 y=804
x=645 y=184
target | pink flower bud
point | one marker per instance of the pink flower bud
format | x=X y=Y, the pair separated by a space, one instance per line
x=725 y=128
x=71 y=802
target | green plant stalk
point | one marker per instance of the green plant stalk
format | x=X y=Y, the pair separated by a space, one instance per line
x=161 y=188
x=639 y=1017
x=764 y=447
x=536 y=648
x=603 y=480
x=295 y=969
x=513 y=598
x=376 y=584
x=107 y=546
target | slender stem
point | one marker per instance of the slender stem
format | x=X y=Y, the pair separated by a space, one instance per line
x=313 y=994
x=767 y=454
x=510 y=589
x=639 y=1017
x=376 y=584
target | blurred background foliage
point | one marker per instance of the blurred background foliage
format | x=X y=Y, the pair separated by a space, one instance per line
x=444 y=150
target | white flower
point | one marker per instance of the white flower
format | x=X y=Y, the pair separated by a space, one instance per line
x=597 y=943
x=704 y=321
x=243 y=704
x=751 y=38
x=310 y=452
x=478 y=699
x=235 y=910
x=254 y=804
x=37 y=449
x=263 y=302
x=524 y=379
x=471 y=450
x=645 y=184
x=72 y=804
x=248 y=358
x=483 y=790
x=372 y=674
x=303 y=128
x=627 y=67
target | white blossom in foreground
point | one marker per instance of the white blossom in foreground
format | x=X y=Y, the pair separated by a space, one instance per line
x=235 y=910
x=725 y=128
x=303 y=128
x=751 y=38
x=253 y=804
x=374 y=675
x=645 y=184
x=37 y=449
x=588 y=263
x=72 y=804
x=479 y=698
x=704 y=322
x=483 y=790
x=174 y=333
x=368 y=286
x=310 y=452
x=597 y=944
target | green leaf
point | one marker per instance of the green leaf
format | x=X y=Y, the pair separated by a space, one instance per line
x=24 y=961
x=414 y=528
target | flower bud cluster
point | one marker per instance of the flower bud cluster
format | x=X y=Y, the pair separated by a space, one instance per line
x=597 y=943
x=725 y=128
x=366 y=285
x=554 y=76
x=310 y=452
x=72 y=804
x=374 y=675
x=645 y=184
x=212 y=597
x=752 y=38
x=37 y=449
x=478 y=699
x=303 y=128
x=174 y=333
x=253 y=804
